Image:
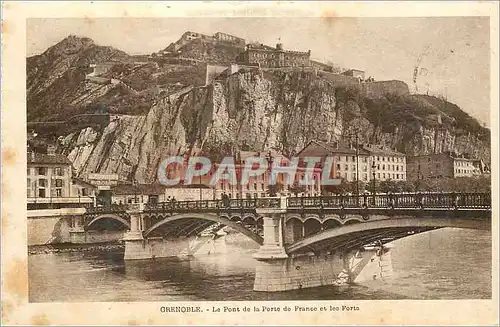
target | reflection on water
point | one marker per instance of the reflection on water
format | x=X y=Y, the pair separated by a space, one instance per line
x=442 y=264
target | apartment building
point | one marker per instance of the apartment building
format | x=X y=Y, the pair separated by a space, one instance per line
x=440 y=165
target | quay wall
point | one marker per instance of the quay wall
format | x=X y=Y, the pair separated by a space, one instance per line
x=48 y=230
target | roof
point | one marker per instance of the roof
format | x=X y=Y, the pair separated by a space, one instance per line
x=81 y=181
x=130 y=189
x=42 y=158
x=382 y=151
x=337 y=148
x=190 y=186
x=354 y=70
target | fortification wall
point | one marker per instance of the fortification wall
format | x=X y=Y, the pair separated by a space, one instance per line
x=379 y=89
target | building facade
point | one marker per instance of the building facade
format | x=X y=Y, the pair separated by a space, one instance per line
x=386 y=164
x=345 y=159
x=364 y=164
x=127 y=193
x=269 y=57
x=48 y=175
x=439 y=166
x=229 y=38
x=355 y=73
x=190 y=192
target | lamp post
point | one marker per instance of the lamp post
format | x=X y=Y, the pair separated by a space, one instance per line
x=374 y=166
x=135 y=191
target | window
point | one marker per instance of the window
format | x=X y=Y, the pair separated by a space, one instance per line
x=28 y=171
x=84 y=192
x=383 y=175
x=262 y=186
x=397 y=168
x=338 y=166
x=58 y=171
x=59 y=183
x=353 y=167
x=42 y=171
x=383 y=167
x=58 y=192
x=41 y=193
x=378 y=175
x=42 y=183
x=353 y=158
x=346 y=167
x=255 y=186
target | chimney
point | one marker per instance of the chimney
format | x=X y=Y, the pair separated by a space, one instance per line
x=51 y=150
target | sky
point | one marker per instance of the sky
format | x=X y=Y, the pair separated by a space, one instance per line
x=452 y=53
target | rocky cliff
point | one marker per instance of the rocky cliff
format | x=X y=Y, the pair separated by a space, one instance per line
x=249 y=110
x=253 y=111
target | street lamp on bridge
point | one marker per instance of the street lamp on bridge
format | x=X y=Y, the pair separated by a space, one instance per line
x=374 y=166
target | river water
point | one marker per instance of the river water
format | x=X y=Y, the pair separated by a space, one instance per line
x=441 y=264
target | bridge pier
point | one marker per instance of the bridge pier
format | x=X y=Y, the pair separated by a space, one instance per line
x=139 y=247
x=135 y=244
x=77 y=234
x=278 y=271
x=305 y=271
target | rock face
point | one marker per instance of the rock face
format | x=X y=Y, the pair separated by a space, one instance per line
x=252 y=110
x=278 y=109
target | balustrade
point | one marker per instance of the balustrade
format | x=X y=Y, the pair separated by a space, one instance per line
x=377 y=201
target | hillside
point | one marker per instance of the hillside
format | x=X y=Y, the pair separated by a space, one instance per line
x=250 y=110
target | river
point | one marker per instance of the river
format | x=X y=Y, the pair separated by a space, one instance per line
x=441 y=264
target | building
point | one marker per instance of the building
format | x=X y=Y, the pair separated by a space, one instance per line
x=189 y=36
x=439 y=165
x=254 y=187
x=355 y=73
x=270 y=57
x=367 y=160
x=229 y=38
x=48 y=175
x=82 y=188
x=480 y=167
x=50 y=183
x=389 y=163
x=193 y=192
x=344 y=157
x=127 y=193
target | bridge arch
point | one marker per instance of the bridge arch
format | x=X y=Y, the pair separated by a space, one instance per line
x=209 y=217
x=108 y=216
x=388 y=227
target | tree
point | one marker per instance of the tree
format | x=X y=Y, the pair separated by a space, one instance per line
x=341 y=188
x=273 y=190
x=388 y=185
x=369 y=186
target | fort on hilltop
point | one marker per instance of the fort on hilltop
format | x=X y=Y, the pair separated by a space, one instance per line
x=269 y=57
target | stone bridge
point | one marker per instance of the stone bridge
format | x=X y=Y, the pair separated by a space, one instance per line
x=304 y=242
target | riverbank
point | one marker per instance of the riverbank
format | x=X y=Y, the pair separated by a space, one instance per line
x=69 y=247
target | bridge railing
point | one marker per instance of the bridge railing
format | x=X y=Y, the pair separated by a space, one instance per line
x=414 y=200
x=215 y=204
x=403 y=201
x=107 y=209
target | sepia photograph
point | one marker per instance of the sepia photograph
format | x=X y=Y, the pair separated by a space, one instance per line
x=196 y=159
